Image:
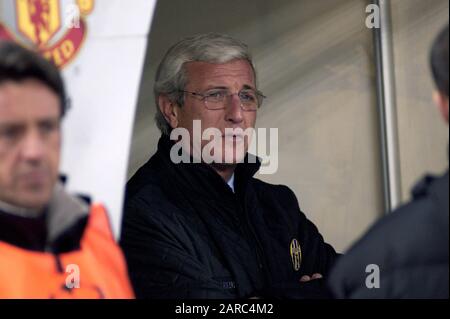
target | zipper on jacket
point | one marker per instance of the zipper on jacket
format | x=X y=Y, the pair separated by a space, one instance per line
x=259 y=251
x=251 y=234
x=59 y=265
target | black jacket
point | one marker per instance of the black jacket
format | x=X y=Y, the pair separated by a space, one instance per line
x=409 y=246
x=187 y=235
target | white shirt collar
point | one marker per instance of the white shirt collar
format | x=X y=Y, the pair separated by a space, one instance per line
x=231 y=182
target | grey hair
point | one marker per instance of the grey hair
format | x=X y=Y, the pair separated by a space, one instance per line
x=171 y=77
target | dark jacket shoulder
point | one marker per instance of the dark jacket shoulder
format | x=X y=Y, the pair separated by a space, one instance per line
x=409 y=246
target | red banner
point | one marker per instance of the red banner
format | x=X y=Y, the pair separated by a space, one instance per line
x=64 y=50
x=4 y=34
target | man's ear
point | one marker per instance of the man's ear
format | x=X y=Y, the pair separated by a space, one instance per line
x=169 y=110
x=442 y=103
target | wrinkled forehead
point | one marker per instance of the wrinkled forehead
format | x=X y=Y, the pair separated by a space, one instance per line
x=235 y=72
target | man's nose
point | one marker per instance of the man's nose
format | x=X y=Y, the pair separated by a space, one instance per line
x=234 y=109
x=33 y=147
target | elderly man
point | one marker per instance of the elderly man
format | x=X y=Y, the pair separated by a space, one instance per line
x=52 y=244
x=405 y=255
x=205 y=228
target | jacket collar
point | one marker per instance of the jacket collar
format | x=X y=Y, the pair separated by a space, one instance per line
x=205 y=179
x=57 y=227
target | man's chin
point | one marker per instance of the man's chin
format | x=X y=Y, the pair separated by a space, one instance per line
x=228 y=162
x=222 y=167
x=234 y=158
x=36 y=200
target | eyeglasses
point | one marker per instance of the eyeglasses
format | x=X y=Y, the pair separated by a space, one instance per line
x=217 y=99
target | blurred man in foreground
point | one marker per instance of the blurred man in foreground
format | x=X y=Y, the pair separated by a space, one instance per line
x=52 y=245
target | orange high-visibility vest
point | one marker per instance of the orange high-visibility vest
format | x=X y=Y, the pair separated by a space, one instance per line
x=96 y=270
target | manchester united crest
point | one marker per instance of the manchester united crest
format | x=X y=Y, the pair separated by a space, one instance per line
x=296 y=254
x=55 y=28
